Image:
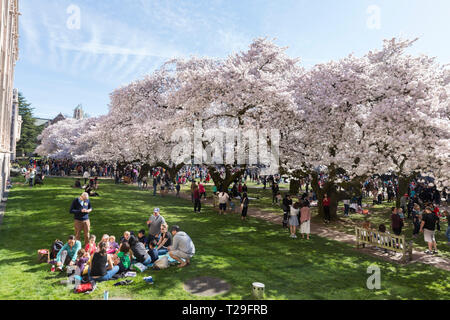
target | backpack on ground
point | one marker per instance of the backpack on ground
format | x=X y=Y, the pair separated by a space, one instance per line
x=162 y=263
x=55 y=248
x=85 y=287
x=43 y=256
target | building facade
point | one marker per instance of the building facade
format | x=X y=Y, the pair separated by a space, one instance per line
x=16 y=124
x=9 y=54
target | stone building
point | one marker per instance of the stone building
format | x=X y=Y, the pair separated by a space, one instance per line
x=9 y=53
x=16 y=126
x=78 y=112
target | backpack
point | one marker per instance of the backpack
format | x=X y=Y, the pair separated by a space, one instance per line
x=84 y=287
x=55 y=248
x=162 y=263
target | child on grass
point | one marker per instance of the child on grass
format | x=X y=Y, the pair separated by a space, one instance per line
x=105 y=239
x=113 y=246
x=91 y=247
x=82 y=259
x=124 y=257
x=152 y=251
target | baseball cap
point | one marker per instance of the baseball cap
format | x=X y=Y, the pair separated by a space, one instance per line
x=156 y=210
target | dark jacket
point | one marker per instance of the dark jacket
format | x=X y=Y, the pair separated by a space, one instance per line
x=76 y=208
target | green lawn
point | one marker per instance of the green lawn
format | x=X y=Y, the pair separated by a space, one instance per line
x=240 y=253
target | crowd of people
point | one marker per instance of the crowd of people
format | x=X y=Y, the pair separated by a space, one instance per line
x=102 y=261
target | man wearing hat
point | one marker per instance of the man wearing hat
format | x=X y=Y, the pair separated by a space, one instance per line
x=182 y=247
x=154 y=224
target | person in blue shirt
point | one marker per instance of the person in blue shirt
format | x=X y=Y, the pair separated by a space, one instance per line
x=153 y=251
x=68 y=253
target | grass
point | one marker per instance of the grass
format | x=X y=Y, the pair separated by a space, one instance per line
x=240 y=253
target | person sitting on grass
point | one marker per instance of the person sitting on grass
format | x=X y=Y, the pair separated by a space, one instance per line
x=113 y=246
x=124 y=257
x=139 y=251
x=82 y=260
x=68 y=253
x=77 y=184
x=153 y=251
x=165 y=239
x=91 y=247
x=105 y=239
x=142 y=238
x=102 y=265
x=182 y=247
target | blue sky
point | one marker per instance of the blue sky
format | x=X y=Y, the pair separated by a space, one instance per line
x=68 y=58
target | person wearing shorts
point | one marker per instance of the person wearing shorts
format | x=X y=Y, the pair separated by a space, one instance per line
x=182 y=247
x=428 y=226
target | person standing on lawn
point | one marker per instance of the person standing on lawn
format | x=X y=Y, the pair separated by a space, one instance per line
x=81 y=207
x=326 y=208
x=154 y=225
x=397 y=222
x=244 y=206
x=223 y=199
x=428 y=226
x=447 y=233
x=197 y=199
x=305 y=220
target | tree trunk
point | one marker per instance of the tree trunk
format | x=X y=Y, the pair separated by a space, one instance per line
x=294 y=186
x=144 y=171
x=403 y=183
x=221 y=183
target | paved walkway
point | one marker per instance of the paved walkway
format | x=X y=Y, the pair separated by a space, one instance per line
x=324 y=232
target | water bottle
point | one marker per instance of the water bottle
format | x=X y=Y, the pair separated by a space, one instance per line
x=106 y=295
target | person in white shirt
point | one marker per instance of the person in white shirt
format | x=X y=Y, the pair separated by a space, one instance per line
x=223 y=199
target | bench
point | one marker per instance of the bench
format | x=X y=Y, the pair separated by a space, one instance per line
x=386 y=241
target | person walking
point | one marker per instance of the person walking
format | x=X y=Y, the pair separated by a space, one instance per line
x=428 y=226
x=80 y=208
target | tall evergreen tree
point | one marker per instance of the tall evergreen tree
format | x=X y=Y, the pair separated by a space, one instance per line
x=29 y=132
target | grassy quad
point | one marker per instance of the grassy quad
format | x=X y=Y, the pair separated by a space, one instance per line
x=237 y=252
x=379 y=214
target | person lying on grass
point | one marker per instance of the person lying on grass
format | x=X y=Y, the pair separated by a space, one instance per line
x=68 y=253
x=182 y=247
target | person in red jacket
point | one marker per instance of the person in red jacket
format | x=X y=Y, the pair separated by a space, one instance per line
x=326 y=208
x=197 y=197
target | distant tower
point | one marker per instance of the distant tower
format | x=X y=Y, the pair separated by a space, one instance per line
x=78 y=112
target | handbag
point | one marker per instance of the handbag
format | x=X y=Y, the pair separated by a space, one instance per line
x=43 y=256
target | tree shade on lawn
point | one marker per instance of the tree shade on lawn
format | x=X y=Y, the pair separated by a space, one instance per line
x=227 y=249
